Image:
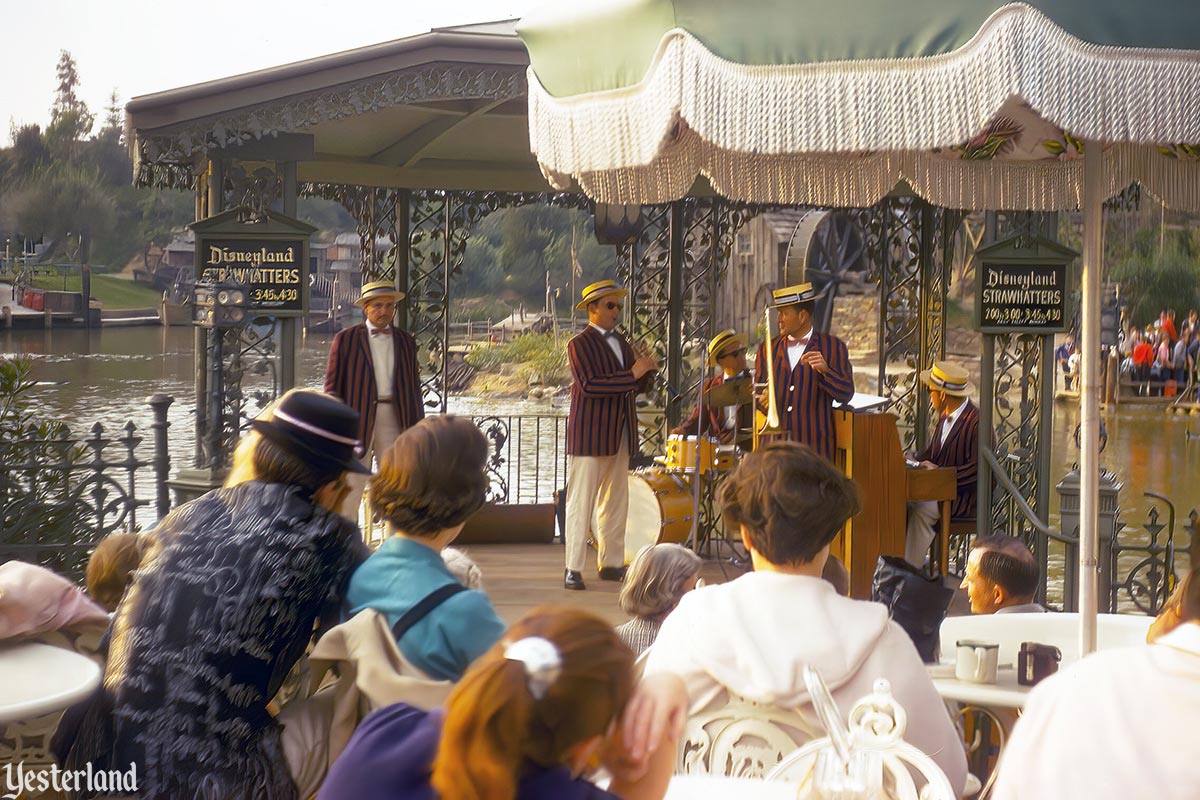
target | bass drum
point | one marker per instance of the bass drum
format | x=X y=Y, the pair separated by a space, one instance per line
x=660 y=510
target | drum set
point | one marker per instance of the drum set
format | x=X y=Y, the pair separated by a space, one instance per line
x=663 y=499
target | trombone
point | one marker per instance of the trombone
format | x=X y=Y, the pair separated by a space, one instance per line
x=769 y=426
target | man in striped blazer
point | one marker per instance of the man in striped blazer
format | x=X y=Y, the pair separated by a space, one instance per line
x=955 y=443
x=727 y=350
x=812 y=371
x=373 y=369
x=601 y=433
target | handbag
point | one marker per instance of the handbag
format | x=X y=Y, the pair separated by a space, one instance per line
x=918 y=603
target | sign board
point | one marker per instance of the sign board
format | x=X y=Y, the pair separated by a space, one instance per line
x=1022 y=287
x=267 y=256
x=272 y=270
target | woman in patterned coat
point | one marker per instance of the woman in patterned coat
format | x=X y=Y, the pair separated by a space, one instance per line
x=223 y=606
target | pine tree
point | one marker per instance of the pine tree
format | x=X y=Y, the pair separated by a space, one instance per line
x=70 y=120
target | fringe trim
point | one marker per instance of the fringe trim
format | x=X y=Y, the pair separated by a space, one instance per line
x=902 y=106
x=861 y=181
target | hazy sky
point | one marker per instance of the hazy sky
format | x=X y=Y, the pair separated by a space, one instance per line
x=144 y=46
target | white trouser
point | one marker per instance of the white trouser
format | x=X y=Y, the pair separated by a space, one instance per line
x=597 y=488
x=922 y=516
x=385 y=433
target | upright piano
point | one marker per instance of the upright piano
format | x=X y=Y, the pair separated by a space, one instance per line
x=868 y=450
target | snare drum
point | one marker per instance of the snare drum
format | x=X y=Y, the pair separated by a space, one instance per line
x=660 y=509
x=687 y=453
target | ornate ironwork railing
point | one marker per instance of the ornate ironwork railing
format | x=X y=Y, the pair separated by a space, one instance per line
x=59 y=496
x=1144 y=583
x=528 y=461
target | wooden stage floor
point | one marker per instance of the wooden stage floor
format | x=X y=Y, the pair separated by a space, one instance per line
x=520 y=577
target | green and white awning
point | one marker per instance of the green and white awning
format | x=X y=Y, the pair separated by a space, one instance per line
x=975 y=103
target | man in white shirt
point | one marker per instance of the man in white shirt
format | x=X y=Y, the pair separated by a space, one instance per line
x=373 y=369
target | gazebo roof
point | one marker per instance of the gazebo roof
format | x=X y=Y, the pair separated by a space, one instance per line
x=444 y=109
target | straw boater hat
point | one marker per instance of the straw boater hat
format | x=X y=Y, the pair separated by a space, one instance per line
x=597 y=290
x=948 y=378
x=790 y=295
x=376 y=290
x=721 y=342
x=315 y=427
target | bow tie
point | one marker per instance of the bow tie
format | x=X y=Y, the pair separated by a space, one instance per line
x=609 y=334
x=793 y=340
x=381 y=332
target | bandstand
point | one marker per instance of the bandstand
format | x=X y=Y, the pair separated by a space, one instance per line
x=421 y=138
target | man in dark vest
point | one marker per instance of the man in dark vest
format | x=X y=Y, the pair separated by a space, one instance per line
x=955 y=443
x=373 y=369
x=811 y=371
x=601 y=433
x=729 y=423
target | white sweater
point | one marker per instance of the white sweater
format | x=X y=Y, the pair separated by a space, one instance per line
x=753 y=635
x=1118 y=724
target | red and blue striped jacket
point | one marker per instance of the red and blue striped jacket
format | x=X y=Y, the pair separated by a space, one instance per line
x=960 y=451
x=602 y=396
x=805 y=397
x=351 y=377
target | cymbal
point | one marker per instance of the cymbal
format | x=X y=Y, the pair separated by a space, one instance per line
x=737 y=392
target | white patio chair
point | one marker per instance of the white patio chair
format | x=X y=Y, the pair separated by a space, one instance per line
x=867 y=760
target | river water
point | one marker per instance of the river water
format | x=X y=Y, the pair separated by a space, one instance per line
x=106 y=376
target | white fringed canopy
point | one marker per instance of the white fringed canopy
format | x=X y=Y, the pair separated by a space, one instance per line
x=976 y=104
x=993 y=123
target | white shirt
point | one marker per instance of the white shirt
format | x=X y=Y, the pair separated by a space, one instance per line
x=950 y=420
x=1120 y=723
x=729 y=413
x=796 y=348
x=613 y=343
x=383 y=359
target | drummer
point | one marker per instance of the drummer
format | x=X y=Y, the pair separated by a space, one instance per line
x=732 y=424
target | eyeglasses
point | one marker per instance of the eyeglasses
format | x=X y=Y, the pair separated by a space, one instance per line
x=730 y=353
x=614 y=306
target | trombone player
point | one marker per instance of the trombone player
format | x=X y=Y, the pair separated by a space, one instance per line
x=730 y=422
x=807 y=372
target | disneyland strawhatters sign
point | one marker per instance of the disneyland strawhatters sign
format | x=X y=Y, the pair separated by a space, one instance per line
x=271 y=271
x=1022 y=298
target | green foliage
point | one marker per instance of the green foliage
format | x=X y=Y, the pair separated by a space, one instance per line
x=39 y=503
x=535 y=353
x=1155 y=277
x=512 y=250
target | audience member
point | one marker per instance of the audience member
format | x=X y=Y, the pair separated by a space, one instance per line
x=219 y=611
x=430 y=481
x=36 y=602
x=531 y=716
x=1064 y=745
x=659 y=575
x=1001 y=576
x=751 y=636
x=111 y=565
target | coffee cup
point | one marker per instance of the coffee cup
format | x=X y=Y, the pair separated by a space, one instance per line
x=976 y=661
x=1036 y=662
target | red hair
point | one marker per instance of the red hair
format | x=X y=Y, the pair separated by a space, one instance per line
x=494 y=726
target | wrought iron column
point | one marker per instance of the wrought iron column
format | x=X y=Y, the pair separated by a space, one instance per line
x=675 y=265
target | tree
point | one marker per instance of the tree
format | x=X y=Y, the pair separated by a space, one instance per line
x=1155 y=277
x=65 y=198
x=70 y=120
